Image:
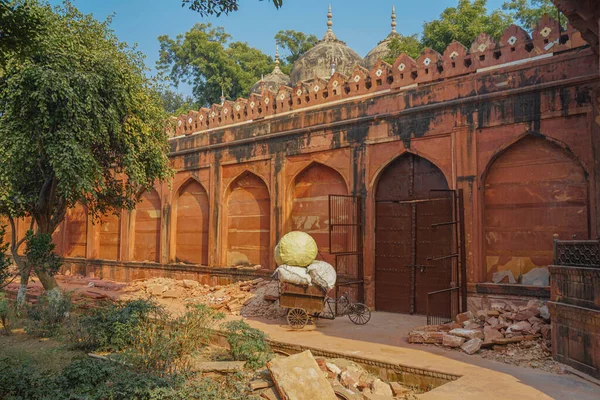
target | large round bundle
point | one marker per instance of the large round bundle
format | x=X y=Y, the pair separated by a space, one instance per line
x=296 y=248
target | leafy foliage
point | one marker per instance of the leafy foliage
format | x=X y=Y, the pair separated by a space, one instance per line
x=112 y=326
x=217 y=7
x=39 y=252
x=46 y=317
x=247 y=344
x=206 y=59
x=295 y=44
x=176 y=103
x=6 y=312
x=409 y=45
x=164 y=346
x=528 y=12
x=464 y=23
x=4 y=260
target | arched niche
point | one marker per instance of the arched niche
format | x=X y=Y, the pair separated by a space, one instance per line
x=191 y=237
x=310 y=203
x=248 y=221
x=147 y=228
x=533 y=190
x=110 y=236
x=75 y=238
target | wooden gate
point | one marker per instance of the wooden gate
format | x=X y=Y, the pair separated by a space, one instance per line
x=414 y=236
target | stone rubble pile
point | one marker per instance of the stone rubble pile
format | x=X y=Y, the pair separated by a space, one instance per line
x=255 y=298
x=503 y=324
x=304 y=376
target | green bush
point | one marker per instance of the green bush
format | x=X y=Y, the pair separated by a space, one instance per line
x=46 y=318
x=166 y=345
x=247 y=344
x=112 y=326
x=6 y=312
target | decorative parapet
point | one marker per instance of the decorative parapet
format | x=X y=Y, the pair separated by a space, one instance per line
x=515 y=46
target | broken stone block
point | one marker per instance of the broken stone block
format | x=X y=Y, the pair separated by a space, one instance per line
x=452 y=341
x=365 y=381
x=536 y=277
x=466 y=316
x=425 y=337
x=482 y=315
x=498 y=306
x=258 y=384
x=523 y=315
x=333 y=368
x=299 y=377
x=519 y=327
x=468 y=333
x=371 y=396
x=493 y=322
x=504 y=277
x=514 y=339
x=493 y=313
x=472 y=346
x=490 y=334
x=381 y=388
x=472 y=325
x=171 y=294
x=399 y=390
x=188 y=284
x=157 y=290
x=350 y=376
x=345 y=393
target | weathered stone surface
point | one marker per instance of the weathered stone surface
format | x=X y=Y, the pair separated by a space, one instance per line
x=514 y=339
x=453 y=341
x=536 y=277
x=472 y=346
x=171 y=294
x=333 y=368
x=493 y=321
x=468 y=333
x=493 y=313
x=258 y=384
x=518 y=327
x=524 y=315
x=220 y=366
x=345 y=393
x=299 y=377
x=365 y=381
x=399 y=390
x=350 y=376
x=372 y=396
x=472 y=325
x=188 y=283
x=466 y=316
x=381 y=388
x=270 y=394
x=490 y=334
x=425 y=337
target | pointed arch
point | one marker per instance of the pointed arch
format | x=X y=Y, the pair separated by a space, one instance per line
x=147 y=228
x=192 y=213
x=401 y=222
x=248 y=221
x=533 y=189
x=311 y=188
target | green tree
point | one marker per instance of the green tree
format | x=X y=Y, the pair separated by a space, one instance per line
x=464 y=23
x=206 y=59
x=528 y=12
x=79 y=123
x=217 y=7
x=175 y=103
x=295 y=44
x=410 y=45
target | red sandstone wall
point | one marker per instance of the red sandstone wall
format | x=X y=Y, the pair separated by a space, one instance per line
x=192 y=225
x=462 y=121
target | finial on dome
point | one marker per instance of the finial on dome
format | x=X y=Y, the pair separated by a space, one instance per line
x=329 y=22
x=276 y=55
x=393 y=19
x=222 y=97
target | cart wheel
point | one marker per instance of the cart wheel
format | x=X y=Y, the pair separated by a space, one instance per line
x=297 y=318
x=359 y=313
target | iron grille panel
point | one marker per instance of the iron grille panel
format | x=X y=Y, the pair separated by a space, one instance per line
x=577 y=253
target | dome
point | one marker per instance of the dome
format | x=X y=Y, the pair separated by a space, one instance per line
x=381 y=51
x=328 y=55
x=272 y=81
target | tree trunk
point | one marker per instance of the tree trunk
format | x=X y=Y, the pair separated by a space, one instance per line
x=48 y=281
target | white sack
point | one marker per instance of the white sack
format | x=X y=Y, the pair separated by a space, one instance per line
x=296 y=275
x=322 y=274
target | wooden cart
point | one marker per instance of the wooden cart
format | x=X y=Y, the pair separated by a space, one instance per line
x=304 y=302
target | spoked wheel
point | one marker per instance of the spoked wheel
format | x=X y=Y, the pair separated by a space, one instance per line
x=359 y=313
x=297 y=318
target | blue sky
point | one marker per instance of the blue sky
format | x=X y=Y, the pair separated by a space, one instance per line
x=360 y=23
